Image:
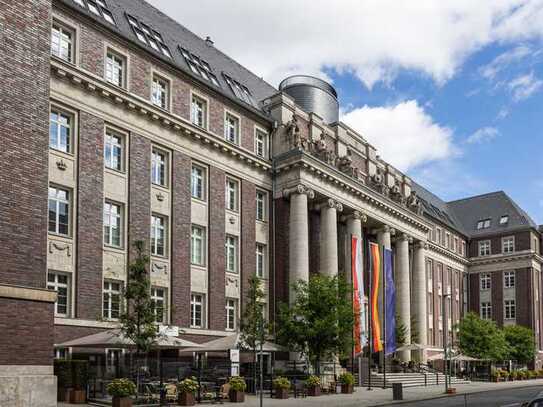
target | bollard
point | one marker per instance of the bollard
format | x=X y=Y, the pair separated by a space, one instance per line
x=397 y=391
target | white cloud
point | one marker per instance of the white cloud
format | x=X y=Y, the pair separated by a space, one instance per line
x=524 y=86
x=503 y=60
x=483 y=135
x=404 y=134
x=503 y=113
x=373 y=39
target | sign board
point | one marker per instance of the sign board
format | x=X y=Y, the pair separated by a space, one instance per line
x=168 y=330
x=234 y=355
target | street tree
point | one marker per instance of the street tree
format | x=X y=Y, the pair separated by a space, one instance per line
x=520 y=341
x=481 y=338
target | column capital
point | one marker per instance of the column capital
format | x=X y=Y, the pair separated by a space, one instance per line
x=299 y=189
x=385 y=229
x=420 y=244
x=404 y=237
x=332 y=204
x=356 y=215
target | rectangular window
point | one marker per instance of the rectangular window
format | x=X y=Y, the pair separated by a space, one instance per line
x=463 y=248
x=230 y=315
x=484 y=248
x=198 y=112
x=510 y=309
x=111 y=299
x=115 y=69
x=158 y=235
x=61 y=284
x=160 y=92
x=261 y=205
x=60 y=130
x=59 y=211
x=231 y=128
x=504 y=219
x=261 y=142
x=438 y=232
x=486 y=310
x=113 y=224
x=260 y=260
x=231 y=194
x=158 y=298
x=509 y=279
x=62 y=42
x=198 y=245
x=62 y=353
x=159 y=167
x=231 y=247
x=197 y=311
x=485 y=281
x=483 y=224
x=508 y=244
x=198 y=182
x=113 y=151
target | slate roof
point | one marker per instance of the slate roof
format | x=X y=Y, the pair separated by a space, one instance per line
x=175 y=35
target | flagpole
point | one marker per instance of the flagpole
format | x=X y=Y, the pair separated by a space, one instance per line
x=384 y=317
x=352 y=306
x=370 y=312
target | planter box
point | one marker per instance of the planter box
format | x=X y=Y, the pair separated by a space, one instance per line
x=236 y=396
x=346 y=388
x=451 y=390
x=186 y=399
x=122 y=401
x=63 y=394
x=314 y=391
x=78 y=396
x=281 y=394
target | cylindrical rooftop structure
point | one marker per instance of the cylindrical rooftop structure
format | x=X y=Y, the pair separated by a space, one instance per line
x=313 y=95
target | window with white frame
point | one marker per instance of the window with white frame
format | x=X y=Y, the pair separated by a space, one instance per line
x=60 y=283
x=510 y=309
x=198 y=245
x=62 y=353
x=260 y=260
x=158 y=299
x=158 y=235
x=508 y=244
x=261 y=205
x=197 y=311
x=159 y=167
x=486 y=310
x=160 y=91
x=111 y=299
x=113 y=357
x=463 y=248
x=62 y=42
x=504 y=219
x=59 y=211
x=60 y=130
x=484 y=248
x=438 y=235
x=261 y=142
x=231 y=128
x=115 y=69
x=198 y=112
x=231 y=248
x=230 y=315
x=113 y=151
x=483 y=224
x=198 y=182
x=232 y=187
x=113 y=224
x=485 y=281
x=509 y=279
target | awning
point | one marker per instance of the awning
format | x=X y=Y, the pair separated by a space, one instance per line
x=233 y=342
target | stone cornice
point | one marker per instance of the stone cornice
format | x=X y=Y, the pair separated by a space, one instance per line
x=444 y=252
x=179 y=125
x=331 y=175
x=505 y=258
x=27 y=293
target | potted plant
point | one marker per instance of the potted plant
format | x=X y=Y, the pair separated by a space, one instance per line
x=347 y=382
x=78 y=395
x=186 y=389
x=313 y=386
x=281 y=386
x=121 y=390
x=237 y=389
x=63 y=372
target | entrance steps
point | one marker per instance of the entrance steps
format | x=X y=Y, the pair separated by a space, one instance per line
x=412 y=379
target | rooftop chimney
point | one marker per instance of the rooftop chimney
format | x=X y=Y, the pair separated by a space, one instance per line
x=209 y=41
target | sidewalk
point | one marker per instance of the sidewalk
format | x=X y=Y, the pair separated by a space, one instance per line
x=378 y=397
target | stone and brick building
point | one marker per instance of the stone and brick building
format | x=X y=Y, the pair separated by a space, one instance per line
x=121 y=125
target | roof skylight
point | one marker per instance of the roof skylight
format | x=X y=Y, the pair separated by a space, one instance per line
x=148 y=36
x=240 y=90
x=199 y=66
x=98 y=8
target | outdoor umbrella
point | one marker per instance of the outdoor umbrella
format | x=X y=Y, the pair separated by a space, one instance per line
x=463 y=358
x=411 y=346
x=233 y=341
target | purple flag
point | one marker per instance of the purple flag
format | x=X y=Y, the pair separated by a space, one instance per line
x=390 y=300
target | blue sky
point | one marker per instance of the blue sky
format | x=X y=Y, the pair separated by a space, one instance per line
x=449 y=91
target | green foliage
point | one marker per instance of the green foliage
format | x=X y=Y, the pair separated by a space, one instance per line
x=253 y=326
x=138 y=321
x=520 y=341
x=281 y=383
x=237 y=383
x=313 y=381
x=480 y=338
x=188 y=385
x=320 y=321
x=401 y=332
x=346 y=378
x=121 y=388
x=80 y=371
x=63 y=372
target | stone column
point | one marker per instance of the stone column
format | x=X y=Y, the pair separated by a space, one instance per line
x=383 y=236
x=354 y=227
x=328 y=238
x=420 y=292
x=298 y=234
x=402 y=284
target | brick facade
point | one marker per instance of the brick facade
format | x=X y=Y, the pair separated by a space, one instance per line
x=280 y=279
x=248 y=235
x=524 y=297
x=496 y=285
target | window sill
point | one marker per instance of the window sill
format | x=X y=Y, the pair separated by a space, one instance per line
x=61 y=236
x=113 y=171
x=199 y=200
x=163 y=188
x=118 y=249
x=63 y=154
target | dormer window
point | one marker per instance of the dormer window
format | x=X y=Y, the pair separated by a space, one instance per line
x=504 y=219
x=483 y=224
x=148 y=36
